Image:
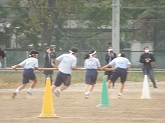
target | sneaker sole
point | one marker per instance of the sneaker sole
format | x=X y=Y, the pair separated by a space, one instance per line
x=14 y=95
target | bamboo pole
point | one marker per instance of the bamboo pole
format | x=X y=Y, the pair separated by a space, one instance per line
x=38 y=68
x=106 y=69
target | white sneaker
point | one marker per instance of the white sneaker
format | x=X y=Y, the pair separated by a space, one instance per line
x=57 y=93
x=120 y=95
x=87 y=95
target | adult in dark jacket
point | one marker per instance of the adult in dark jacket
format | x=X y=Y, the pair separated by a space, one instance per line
x=2 y=54
x=108 y=58
x=146 y=58
x=49 y=63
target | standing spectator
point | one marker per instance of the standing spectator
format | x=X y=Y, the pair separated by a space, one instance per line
x=122 y=65
x=91 y=65
x=65 y=64
x=49 y=63
x=53 y=55
x=146 y=58
x=29 y=65
x=108 y=58
x=2 y=54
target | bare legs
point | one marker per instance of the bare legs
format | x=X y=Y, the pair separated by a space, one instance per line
x=57 y=92
x=63 y=87
x=121 y=88
x=88 y=89
x=23 y=86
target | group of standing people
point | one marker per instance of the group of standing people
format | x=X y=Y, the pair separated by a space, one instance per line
x=67 y=62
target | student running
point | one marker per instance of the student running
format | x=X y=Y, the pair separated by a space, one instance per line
x=91 y=65
x=29 y=65
x=122 y=65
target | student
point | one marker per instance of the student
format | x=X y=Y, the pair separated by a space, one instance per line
x=146 y=58
x=65 y=64
x=29 y=65
x=91 y=65
x=122 y=65
x=49 y=63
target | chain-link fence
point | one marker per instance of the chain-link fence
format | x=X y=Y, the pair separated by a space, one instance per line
x=85 y=25
x=15 y=57
x=87 y=29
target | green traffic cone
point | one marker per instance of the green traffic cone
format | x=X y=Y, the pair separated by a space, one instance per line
x=104 y=101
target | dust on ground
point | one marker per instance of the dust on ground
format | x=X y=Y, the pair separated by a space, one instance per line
x=71 y=107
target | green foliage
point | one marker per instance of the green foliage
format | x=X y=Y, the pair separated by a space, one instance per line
x=54 y=20
x=98 y=14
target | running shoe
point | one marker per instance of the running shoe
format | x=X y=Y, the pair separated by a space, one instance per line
x=120 y=95
x=57 y=93
x=87 y=96
x=14 y=95
x=29 y=93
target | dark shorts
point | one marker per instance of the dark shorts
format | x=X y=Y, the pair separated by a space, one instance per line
x=91 y=76
x=119 y=72
x=62 y=78
x=28 y=74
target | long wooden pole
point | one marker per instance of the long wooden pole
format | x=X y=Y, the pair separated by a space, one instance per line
x=106 y=69
x=38 y=68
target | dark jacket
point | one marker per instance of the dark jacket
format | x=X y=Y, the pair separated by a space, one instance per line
x=49 y=63
x=109 y=59
x=147 y=55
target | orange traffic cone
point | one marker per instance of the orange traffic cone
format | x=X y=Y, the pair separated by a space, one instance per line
x=47 y=107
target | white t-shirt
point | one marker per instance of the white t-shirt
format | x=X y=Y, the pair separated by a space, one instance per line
x=66 y=62
x=91 y=63
x=120 y=62
x=29 y=63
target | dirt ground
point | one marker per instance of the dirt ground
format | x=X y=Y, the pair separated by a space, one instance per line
x=71 y=107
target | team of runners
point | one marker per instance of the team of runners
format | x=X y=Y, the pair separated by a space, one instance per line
x=67 y=62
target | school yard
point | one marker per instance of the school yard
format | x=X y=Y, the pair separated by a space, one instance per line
x=71 y=107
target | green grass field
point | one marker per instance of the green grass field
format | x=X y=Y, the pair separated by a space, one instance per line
x=11 y=79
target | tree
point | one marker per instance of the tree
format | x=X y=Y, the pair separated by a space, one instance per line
x=86 y=23
x=49 y=18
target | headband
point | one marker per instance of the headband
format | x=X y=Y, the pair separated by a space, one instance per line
x=92 y=53
x=71 y=51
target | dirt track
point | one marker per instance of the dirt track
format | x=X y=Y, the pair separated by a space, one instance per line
x=73 y=108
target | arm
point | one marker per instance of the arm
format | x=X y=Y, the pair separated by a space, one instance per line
x=152 y=58
x=128 y=68
x=36 y=68
x=76 y=68
x=102 y=68
x=142 y=60
x=107 y=58
x=16 y=66
x=56 y=63
x=22 y=64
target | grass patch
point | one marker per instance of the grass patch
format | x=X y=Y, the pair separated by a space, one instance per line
x=13 y=79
